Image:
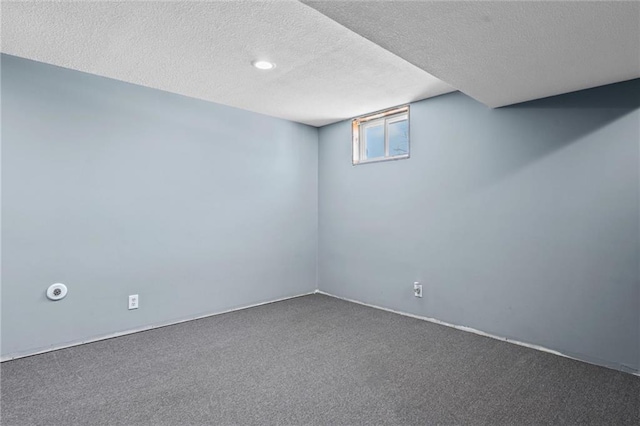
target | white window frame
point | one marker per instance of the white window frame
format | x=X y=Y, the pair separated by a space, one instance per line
x=386 y=117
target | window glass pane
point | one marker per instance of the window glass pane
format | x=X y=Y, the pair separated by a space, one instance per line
x=398 y=138
x=374 y=141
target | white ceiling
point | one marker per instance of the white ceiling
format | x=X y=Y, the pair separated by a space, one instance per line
x=324 y=72
x=500 y=53
x=504 y=52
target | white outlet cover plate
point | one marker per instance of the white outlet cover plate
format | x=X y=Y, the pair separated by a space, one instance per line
x=417 y=289
x=133 y=301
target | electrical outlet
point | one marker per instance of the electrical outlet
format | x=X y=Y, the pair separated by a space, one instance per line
x=133 y=301
x=417 y=289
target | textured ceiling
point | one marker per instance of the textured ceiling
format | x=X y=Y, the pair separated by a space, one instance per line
x=500 y=52
x=324 y=73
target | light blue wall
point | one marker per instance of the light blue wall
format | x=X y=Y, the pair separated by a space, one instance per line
x=115 y=189
x=522 y=222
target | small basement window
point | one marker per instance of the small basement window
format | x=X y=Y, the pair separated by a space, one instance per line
x=381 y=136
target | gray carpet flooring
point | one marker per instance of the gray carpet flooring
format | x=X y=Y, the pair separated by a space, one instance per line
x=311 y=360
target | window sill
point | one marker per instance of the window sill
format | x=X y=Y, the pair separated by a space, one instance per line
x=382 y=159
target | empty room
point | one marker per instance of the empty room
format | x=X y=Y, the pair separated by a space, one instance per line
x=320 y=213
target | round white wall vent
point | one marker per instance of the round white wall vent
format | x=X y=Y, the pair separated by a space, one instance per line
x=57 y=291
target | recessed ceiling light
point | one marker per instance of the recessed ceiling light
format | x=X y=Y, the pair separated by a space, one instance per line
x=263 y=65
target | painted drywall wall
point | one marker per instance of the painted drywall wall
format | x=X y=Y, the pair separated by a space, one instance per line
x=522 y=222
x=115 y=189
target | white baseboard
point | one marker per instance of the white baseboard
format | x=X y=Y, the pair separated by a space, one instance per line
x=473 y=330
x=168 y=323
x=10 y=357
